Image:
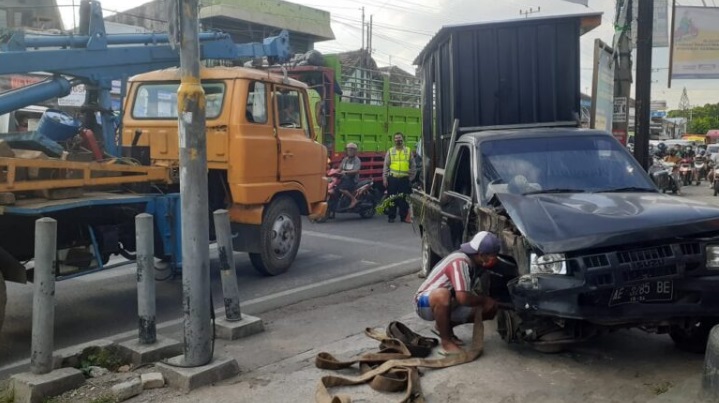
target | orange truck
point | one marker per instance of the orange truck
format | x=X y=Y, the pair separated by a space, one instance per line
x=264 y=164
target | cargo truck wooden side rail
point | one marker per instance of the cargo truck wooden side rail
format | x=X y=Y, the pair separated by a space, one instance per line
x=19 y=175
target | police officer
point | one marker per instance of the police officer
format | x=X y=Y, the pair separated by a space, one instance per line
x=399 y=169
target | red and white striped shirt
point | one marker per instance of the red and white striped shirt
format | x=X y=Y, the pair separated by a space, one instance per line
x=452 y=273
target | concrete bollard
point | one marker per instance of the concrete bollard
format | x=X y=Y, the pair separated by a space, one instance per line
x=710 y=377
x=43 y=305
x=145 y=242
x=230 y=290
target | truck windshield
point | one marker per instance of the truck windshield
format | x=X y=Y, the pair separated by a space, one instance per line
x=559 y=164
x=159 y=100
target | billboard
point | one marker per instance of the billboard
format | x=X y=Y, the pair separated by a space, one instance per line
x=695 y=43
x=602 y=87
x=660 y=27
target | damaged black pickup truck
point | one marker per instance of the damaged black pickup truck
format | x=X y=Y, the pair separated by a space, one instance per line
x=589 y=244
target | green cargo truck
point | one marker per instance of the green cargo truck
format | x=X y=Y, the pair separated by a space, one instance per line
x=365 y=106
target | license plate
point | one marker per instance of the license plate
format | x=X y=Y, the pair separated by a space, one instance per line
x=648 y=291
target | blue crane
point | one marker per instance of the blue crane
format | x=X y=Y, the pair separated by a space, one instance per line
x=96 y=58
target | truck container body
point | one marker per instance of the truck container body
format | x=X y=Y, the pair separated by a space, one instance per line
x=521 y=72
x=364 y=106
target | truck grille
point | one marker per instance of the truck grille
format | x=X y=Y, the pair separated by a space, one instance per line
x=596 y=261
x=690 y=249
x=644 y=255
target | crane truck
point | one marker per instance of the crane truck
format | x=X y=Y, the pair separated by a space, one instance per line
x=267 y=172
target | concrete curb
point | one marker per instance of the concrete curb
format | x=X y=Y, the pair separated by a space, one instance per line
x=269 y=302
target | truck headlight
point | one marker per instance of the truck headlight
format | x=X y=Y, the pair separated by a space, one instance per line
x=712 y=252
x=555 y=263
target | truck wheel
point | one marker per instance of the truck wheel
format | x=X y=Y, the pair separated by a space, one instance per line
x=280 y=235
x=429 y=258
x=694 y=338
x=3 y=299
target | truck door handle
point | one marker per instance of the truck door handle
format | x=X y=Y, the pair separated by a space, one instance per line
x=287 y=154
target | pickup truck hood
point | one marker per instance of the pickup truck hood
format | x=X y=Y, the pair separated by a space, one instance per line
x=557 y=223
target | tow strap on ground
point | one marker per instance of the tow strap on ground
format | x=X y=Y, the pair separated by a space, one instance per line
x=394 y=367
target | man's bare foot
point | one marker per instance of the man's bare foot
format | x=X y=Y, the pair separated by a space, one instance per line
x=448 y=347
x=353 y=204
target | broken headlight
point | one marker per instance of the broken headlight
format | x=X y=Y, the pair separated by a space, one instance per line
x=712 y=252
x=554 y=263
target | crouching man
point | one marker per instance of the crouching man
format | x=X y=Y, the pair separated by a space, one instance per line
x=446 y=296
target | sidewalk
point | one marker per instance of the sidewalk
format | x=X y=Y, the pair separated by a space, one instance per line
x=278 y=365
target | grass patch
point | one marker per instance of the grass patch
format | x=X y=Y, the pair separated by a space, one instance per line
x=104 y=399
x=105 y=357
x=7 y=395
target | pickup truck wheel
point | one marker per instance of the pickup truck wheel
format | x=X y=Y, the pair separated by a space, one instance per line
x=429 y=258
x=694 y=338
x=3 y=299
x=280 y=235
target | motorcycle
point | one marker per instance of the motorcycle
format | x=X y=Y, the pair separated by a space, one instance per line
x=364 y=192
x=665 y=175
x=686 y=171
x=713 y=177
x=700 y=168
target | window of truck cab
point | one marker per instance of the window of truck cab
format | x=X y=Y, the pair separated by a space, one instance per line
x=158 y=100
x=256 y=109
x=458 y=178
x=290 y=111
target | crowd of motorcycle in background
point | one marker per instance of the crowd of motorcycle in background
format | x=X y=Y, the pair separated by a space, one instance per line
x=677 y=165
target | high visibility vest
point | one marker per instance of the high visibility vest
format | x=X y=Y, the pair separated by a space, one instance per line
x=399 y=161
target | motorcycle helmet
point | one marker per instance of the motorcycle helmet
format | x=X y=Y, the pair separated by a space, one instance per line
x=662 y=146
x=351 y=145
x=702 y=152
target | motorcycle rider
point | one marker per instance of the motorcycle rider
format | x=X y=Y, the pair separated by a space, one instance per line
x=672 y=157
x=349 y=168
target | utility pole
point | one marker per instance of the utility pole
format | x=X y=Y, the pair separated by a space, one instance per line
x=193 y=193
x=369 y=36
x=529 y=12
x=363 y=32
x=645 y=25
x=622 y=71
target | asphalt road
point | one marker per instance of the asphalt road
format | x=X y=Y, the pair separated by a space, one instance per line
x=105 y=303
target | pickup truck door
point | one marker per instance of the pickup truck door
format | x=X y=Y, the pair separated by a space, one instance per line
x=457 y=198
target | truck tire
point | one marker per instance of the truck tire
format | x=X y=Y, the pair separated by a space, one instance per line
x=3 y=299
x=429 y=258
x=694 y=338
x=280 y=235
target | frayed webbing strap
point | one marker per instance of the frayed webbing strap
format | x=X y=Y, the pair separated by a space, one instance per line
x=393 y=368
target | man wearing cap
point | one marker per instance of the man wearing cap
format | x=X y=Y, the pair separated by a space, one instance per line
x=446 y=296
x=350 y=167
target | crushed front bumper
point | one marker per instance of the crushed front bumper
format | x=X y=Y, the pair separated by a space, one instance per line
x=574 y=298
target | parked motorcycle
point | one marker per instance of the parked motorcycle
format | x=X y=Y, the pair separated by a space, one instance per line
x=686 y=171
x=665 y=175
x=365 y=193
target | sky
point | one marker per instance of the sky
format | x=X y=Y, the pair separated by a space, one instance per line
x=401 y=28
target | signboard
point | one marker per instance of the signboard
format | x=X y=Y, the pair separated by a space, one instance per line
x=660 y=27
x=602 y=87
x=695 y=43
x=620 y=110
x=659 y=114
x=76 y=97
x=658 y=105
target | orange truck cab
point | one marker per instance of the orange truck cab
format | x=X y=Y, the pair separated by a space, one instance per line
x=264 y=164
